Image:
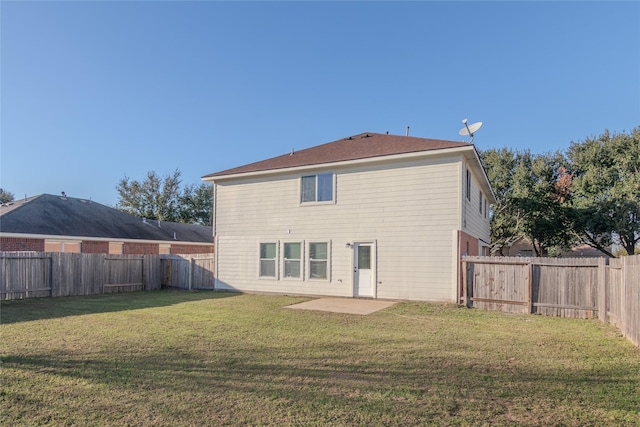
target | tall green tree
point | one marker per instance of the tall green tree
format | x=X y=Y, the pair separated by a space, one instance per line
x=528 y=202
x=545 y=220
x=605 y=193
x=155 y=197
x=162 y=198
x=6 y=196
x=500 y=165
x=197 y=204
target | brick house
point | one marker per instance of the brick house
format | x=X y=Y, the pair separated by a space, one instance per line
x=48 y=223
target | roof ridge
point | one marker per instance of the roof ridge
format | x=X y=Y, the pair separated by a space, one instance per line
x=355 y=147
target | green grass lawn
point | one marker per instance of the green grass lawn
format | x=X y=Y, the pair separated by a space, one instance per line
x=205 y=358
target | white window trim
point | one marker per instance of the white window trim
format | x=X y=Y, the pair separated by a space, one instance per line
x=277 y=258
x=316 y=202
x=308 y=261
x=302 y=263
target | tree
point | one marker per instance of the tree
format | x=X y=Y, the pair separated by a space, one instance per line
x=161 y=198
x=500 y=165
x=197 y=204
x=6 y=196
x=605 y=193
x=529 y=199
x=538 y=194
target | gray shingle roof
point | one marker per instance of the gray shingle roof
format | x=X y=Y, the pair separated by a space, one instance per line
x=362 y=146
x=47 y=214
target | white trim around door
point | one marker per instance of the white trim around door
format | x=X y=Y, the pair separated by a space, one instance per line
x=364 y=269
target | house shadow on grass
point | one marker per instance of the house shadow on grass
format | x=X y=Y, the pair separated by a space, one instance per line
x=26 y=310
x=332 y=383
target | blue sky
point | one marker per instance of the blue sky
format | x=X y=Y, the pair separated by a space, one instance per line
x=92 y=92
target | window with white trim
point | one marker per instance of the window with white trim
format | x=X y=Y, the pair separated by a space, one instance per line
x=292 y=259
x=318 y=260
x=268 y=257
x=316 y=188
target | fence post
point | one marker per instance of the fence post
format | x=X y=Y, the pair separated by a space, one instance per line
x=602 y=290
x=464 y=284
x=530 y=288
x=190 y=272
x=624 y=316
x=145 y=273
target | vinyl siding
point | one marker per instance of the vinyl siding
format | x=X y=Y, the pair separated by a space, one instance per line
x=476 y=224
x=408 y=209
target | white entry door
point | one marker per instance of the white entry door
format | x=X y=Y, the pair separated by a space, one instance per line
x=363 y=271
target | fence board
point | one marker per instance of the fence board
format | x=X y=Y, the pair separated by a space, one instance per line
x=630 y=298
x=188 y=271
x=613 y=289
x=565 y=287
x=55 y=274
x=25 y=275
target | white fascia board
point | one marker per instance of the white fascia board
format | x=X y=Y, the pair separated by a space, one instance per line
x=98 y=239
x=345 y=163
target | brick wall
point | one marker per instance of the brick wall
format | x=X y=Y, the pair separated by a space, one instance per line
x=191 y=249
x=468 y=244
x=95 y=247
x=99 y=247
x=21 y=244
x=140 y=248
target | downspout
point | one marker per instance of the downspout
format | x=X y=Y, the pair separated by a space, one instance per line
x=215 y=240
x=213 y=209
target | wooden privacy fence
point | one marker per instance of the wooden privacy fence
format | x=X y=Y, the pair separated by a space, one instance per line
x=565 y=287
x=55 y=274
x=188 y=271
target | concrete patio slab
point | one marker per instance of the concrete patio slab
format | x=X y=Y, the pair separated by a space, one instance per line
x=343 y=305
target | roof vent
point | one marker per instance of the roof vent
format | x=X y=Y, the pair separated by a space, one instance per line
x=407 y=131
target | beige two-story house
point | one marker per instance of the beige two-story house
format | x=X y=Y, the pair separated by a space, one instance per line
x=371 y=215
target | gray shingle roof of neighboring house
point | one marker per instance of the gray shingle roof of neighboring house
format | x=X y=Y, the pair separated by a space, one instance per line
x=51 y=215
x=363 y=146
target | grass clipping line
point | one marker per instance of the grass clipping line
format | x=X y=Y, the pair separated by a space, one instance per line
x=193 y=358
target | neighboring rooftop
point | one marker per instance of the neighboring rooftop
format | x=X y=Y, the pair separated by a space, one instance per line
x=362 y=146
x=47 y=214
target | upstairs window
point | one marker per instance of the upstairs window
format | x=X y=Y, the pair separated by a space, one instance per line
x=468 y=185
x=317 y=188
x=267 y=260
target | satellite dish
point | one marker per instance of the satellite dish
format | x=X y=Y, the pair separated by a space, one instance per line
x=470 y=129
